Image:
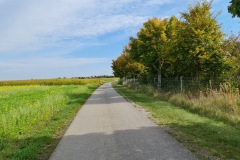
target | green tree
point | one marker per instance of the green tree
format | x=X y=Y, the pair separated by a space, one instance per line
x=234 y=8
x=119 y=66
x=191 y=47
x=125 y=66
x=134 y=69
x=232 y=48
x=201 y=42
x=151 y=45
x=175 y=63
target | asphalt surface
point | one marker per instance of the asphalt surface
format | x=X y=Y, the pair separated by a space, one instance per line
x=110 y=128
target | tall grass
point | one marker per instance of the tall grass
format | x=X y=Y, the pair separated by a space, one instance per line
x=221 y=104
x=27 y=110
x=25 y=107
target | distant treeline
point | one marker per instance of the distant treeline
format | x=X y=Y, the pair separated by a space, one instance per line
x=101 y=76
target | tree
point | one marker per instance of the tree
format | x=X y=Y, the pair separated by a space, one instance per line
x=134 y=69
x=119 y=66
x=234 y=8
x=201 y=42
x=192 y=47
x=175 y=63
x=125 y=66
x=232 y=48
x=151 y=45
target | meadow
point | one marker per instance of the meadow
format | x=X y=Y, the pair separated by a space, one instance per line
x=35 y=113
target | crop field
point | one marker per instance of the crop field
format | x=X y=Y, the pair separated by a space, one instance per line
x=49 y=82
x=32 y=117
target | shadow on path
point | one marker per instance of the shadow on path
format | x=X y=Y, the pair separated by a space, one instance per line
x=147 y=143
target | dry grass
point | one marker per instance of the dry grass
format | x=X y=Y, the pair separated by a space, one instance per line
x=221 y=104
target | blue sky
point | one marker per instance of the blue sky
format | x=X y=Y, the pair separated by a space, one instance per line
x=72 y=38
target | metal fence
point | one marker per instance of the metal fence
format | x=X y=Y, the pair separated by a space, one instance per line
x=177 y=84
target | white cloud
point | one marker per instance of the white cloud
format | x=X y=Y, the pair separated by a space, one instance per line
x=34 y=25
x=101 y=25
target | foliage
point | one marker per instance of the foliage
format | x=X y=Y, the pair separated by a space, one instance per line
x=119 y=66
x=152 y=39
x=192 y=46
x=232 y=47
x=202 y=40
x=234 y=8
x=124 y=66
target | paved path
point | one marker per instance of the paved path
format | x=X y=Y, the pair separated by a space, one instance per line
x=110 y=128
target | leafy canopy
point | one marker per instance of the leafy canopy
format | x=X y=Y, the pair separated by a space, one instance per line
x=234 y=8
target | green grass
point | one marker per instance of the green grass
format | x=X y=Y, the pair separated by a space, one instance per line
x=33 y=118
x=202 y=135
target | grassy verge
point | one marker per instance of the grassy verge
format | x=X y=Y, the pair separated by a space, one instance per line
x=222 y=104
x=204 y=136
x=33 y=118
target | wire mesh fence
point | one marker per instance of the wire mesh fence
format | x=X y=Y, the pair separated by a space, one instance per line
x=177 y=84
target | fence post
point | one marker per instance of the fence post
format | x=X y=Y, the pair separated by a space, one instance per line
x=181 y=84
x=154 y=82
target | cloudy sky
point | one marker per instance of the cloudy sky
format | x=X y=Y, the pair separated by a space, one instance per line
x=72 y=38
